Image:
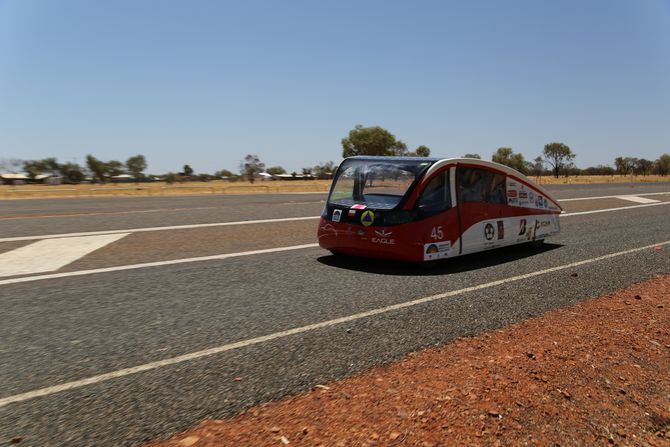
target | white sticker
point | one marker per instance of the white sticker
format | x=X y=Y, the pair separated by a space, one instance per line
x=436 y=250
x=337 y=214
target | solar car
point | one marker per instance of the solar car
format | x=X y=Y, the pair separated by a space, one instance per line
x=424 y=209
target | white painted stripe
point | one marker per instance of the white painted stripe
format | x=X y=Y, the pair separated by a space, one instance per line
x=51 y=254
x=608 y=210
x=144 y=230
x=614 y=197
x=299 y=330
x=153 y=264
x=637 y=199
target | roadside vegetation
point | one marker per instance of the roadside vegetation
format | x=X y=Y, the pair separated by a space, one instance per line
x=555 y=160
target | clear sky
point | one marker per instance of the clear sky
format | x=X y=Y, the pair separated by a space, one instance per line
x=206 y=82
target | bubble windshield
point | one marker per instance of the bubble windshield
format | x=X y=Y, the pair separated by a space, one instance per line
x=377 y=184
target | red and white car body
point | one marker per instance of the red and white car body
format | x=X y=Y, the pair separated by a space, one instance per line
x=425 y=209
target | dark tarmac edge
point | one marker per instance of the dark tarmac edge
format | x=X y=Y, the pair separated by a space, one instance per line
x=595 y=373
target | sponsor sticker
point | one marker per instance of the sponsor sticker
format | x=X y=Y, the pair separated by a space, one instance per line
x=367 y=218
x=512 y=193
x=489 y=232
x=358 y=206
x=383 y=237
x=337 y=215
x=501 y=229
x=436 y=250
x=522 y=227
x=352 y=213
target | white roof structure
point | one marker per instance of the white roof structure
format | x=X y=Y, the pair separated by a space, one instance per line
x=10 y=176
x=43 y=176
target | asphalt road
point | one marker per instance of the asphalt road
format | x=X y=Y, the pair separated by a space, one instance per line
x=60 y=330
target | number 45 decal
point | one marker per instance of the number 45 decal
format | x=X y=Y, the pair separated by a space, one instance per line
x=437 y=233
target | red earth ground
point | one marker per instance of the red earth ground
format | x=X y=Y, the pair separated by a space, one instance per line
x=597 y=373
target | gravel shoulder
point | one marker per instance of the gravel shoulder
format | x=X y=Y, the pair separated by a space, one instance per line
x=596 y=373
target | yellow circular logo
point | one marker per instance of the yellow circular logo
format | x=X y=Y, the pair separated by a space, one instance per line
x=367 y=218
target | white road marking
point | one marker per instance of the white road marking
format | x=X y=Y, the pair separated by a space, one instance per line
x=144 y=230
x=638 y=199
x=615 y=197
x=608 y=210
x=153 y=264
x=299 y=330
x=51 y=254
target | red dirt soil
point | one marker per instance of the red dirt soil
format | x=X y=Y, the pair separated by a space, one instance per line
x=597 y=373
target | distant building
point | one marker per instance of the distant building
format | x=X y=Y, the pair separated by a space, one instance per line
x=48 y=179
x=13 y=179
x=122 y=178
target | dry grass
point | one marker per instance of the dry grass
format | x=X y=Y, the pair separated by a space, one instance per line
x=598 y=179
x=265 y=187
x=161 y=189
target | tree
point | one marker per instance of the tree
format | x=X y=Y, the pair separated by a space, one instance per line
x=224 y=173
x=136 y=165
x=537 y=167
x=45 y=166
x=188 y=171
x=324 y=171
x=251 y=166
x=371 y=141
x=422 y=151
x=171 y=177
x=477 y=156
x=276 y=170
x=643 y=166
x=97 y=168
x=71 y=172
x=306 y=171
x=662 y=165
x=624 y=165
x=34 y=167
x=506 y=156
x=114 y=167
x=557 y=155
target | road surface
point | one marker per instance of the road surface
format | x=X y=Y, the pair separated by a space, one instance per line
x=176 y=309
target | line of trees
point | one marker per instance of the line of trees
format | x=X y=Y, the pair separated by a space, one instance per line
x=251 y=166
x=556 y=159
x=98 y=170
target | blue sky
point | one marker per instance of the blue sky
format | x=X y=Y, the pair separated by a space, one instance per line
x=206 y=82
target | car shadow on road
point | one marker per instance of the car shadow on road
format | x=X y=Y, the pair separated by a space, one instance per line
x=443 y=267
